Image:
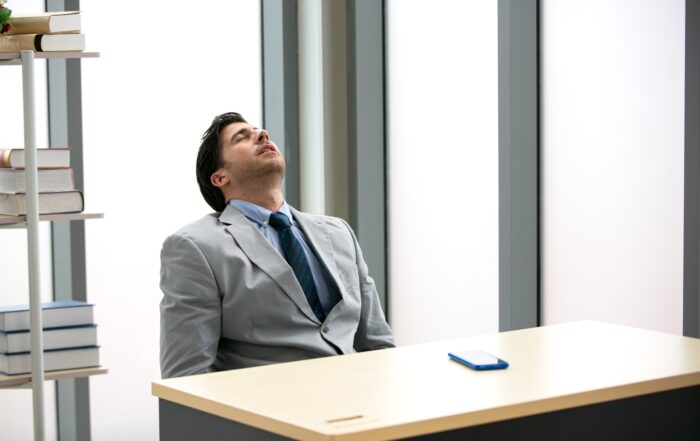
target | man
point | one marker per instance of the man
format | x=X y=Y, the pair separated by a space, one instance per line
x=259 y=282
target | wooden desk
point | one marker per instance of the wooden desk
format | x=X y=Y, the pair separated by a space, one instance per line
x=570 y=381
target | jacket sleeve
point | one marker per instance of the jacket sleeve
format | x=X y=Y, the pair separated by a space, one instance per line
x=190 y=311
x=373 y=332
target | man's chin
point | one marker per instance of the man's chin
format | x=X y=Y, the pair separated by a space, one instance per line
x=272 y=168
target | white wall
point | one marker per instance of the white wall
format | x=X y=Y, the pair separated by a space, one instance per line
x=165 y=71
x=442 y=98
x=612 y=160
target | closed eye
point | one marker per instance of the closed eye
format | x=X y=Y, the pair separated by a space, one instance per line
x=241 y=134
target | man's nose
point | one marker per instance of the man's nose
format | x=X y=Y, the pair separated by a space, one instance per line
x=263 y=135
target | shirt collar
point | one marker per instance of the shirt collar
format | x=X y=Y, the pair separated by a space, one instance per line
x=256 y=213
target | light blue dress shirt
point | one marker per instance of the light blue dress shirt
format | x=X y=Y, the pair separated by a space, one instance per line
x=327 y=290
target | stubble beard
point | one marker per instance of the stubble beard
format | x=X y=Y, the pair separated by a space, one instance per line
x=264 y=173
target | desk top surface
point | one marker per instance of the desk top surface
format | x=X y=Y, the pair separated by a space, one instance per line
x=414 y=390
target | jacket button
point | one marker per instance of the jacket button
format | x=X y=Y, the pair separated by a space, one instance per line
x=325 y=329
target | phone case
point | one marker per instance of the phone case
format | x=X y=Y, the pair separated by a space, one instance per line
x=478 y=360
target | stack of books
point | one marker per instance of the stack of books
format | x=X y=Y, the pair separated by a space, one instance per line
x=44 y=32
x=55 y=179
x=69 y=336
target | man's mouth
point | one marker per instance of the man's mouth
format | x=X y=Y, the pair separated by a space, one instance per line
x=266 y=148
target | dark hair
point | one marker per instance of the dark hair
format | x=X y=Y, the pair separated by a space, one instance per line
x=209 y=159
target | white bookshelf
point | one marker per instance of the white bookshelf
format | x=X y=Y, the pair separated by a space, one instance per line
x=30 y=222
x=15 y=58
x=25 y=380
x=21 y=221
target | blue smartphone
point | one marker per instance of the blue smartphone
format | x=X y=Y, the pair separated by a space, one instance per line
x=479 y=360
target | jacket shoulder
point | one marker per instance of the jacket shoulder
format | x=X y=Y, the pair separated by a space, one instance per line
x=203 y=230
x=322 y=219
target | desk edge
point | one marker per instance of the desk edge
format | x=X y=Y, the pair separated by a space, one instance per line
x=425 y=427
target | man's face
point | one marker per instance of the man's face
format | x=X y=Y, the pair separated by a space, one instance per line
x=248 y=153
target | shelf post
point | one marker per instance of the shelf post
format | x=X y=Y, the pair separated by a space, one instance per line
x=32 y=199
x=68 y=238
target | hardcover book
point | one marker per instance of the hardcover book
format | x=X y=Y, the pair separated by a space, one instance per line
x=15 y=204
x=44 y=23
x=48 y=180
x=54 y=315
x=45 y=158
x=53 y=338
x=42 y=42
x=54 y=359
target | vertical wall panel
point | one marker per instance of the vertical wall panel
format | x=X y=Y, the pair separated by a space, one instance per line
x=366 y=135
x=281 y=86
x=518 y=157
x=691 y=227
x=612 y=137
x=442 y=118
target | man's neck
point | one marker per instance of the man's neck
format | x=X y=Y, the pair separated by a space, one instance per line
x=271 y=199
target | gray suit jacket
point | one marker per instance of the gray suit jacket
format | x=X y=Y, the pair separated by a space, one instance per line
x=230 y=300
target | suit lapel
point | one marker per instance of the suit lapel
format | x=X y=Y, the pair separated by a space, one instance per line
x=317 y=233
x=262 y=254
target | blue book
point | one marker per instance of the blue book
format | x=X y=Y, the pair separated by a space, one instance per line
x=54 y=315
x=54 y=359
x=53 y=338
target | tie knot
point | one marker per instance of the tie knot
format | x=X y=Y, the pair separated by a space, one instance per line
x=279 y=221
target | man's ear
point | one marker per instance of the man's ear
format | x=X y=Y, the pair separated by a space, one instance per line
x=219 y=178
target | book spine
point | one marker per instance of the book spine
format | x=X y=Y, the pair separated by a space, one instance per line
x=16 y=43
x=15 y=204
x=29 y=25
x=5 y=158
x=73 y=358
x=48 y=181
x=13 y=158
x=79 y=336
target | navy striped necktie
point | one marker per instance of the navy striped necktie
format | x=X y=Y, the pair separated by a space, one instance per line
x=294 y=254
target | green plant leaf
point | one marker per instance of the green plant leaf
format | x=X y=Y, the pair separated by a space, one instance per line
x=5 y=15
